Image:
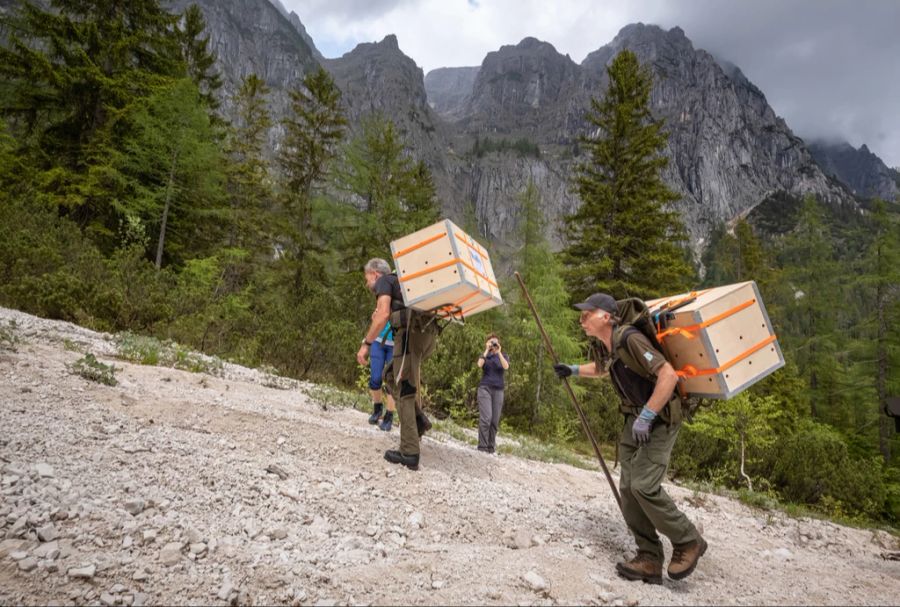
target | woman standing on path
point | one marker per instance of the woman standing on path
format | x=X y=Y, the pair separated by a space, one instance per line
x=493 y=364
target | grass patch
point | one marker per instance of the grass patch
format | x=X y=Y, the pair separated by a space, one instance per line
x=151 y=351
x=331 y=396
x=453 y=430
x=9 y=336
x=71 y=346
x=554 y=453
x=92 y=369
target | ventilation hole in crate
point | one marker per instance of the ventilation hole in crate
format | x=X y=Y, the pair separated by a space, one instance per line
x=701 y=355
x=710 y=379
x=426 y=263
x=764 y=325
x=727 y=376
x=772 y=349
x=741 y=337
x=432 y=282
x=454 y=271
x=717 y=350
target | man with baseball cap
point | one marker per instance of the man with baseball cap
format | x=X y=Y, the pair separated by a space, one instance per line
x=645 y=383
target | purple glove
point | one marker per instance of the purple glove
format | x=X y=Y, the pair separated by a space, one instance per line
x=640 y=430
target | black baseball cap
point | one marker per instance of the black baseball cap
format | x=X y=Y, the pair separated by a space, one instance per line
x=599 y=301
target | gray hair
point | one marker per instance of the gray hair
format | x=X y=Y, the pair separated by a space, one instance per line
x=377 y=265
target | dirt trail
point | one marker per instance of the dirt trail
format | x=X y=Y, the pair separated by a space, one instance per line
x=156 y=491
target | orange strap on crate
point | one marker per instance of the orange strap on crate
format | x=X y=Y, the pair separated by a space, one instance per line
x=688 y=332
x=692 y=371
x=419 y=245
x=441 y=266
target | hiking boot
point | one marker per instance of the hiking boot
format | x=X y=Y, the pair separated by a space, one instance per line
x=423 y=424
x=387 y=422
x=410 y=461
x=685 y=557
x=376 y=415
x=644 y=567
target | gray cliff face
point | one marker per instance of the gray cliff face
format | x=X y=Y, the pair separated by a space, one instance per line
x=859 y=169
x=377 y=78
x=294 y=20
x=254 y=37
x=448 y=89
x=728 y=150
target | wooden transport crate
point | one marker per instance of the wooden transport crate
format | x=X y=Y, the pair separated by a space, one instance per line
x=443 y=269
x=720 y=341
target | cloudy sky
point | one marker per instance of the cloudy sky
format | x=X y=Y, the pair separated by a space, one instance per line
x=830 y=68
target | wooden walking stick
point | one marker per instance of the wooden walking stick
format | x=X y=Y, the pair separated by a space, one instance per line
x=581 y=416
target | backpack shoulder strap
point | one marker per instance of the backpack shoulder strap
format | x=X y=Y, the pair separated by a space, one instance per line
x=621 y=335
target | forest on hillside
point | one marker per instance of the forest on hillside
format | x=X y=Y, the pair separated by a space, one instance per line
x=130 y=202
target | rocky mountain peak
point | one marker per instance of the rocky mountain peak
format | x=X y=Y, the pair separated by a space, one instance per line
x=864 y=173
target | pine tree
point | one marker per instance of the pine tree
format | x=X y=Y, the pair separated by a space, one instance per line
x=173 y=169
x=68 y=70
x=539 y=391
x=624 y=239
x=811 y=314
x=394 y=194
x=249 y=180
x=199 y=60
x=880 y=279
x=313 y=131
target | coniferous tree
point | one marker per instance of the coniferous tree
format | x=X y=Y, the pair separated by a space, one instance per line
x=395 y=195
x=68 y=70
x=880 y=279
x=538 y=392
x=313 y=132
x=624 y=239
x=249 y=180
x=199 y=59
x=811 y=313
x=173 y=169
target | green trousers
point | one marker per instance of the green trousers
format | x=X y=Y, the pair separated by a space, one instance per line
x=648 y=509
x=412 y=345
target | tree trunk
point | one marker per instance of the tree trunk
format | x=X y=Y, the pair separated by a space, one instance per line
x=881 y=356
x=744 y=474
x=165 y=216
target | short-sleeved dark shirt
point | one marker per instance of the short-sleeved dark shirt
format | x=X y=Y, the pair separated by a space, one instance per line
x=634 y=389
x=492 y=371
x=389 y=284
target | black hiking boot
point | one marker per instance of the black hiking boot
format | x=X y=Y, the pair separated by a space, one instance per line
x=685 y=557
x=376 y=414
x=387 y=422
x=410 y=461
x=423 y=424
x=644 y=567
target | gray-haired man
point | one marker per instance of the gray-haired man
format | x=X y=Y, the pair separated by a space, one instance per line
x=414 y=339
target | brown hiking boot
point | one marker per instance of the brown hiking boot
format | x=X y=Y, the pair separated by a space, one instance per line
x=685 y=557
x=644 y=567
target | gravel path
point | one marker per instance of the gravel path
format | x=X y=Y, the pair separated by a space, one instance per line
x=157 y=491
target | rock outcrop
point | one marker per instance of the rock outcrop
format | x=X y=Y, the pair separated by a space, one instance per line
x=859 y=169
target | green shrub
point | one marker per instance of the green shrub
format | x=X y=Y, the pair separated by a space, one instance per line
x=814 y=467
x=90 y=368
